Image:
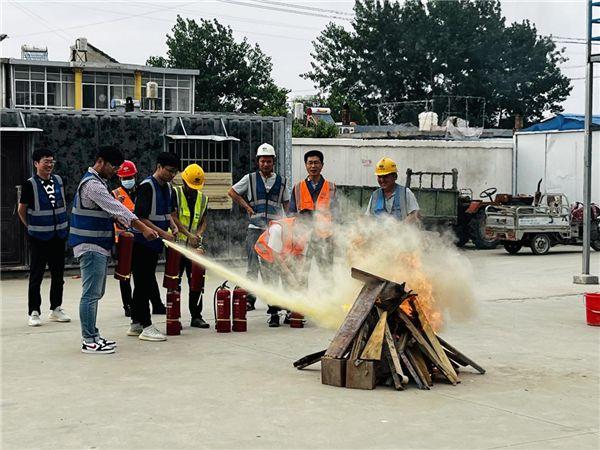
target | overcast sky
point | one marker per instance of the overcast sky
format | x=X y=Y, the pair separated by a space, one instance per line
x=130 y=31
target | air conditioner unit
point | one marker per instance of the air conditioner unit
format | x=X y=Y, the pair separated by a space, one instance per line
x=152 y=90
x=81 y=44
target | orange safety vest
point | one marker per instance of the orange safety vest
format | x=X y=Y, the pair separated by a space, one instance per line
x=122 y=195
x=291 y=247
x=323 y=207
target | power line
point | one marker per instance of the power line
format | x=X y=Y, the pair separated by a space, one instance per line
x=40 y=19
x=290 y=11
x=308 y=8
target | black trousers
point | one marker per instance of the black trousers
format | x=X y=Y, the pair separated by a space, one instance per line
x=143 y=267
x=125 y=287
x=51 y=253
x=195 y=298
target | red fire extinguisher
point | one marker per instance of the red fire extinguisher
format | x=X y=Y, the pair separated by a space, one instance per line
x=296 y=320
x=124 y=256
x=222 y=308
x=171 y=278
x=239 y=309
x=197 y=281
x=173 y=313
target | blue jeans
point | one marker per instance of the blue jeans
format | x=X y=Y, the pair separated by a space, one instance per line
x=93 y=267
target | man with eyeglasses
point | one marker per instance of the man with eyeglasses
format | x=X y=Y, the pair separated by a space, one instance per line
x=153 y=206
x=92 y=237
x=42 y=210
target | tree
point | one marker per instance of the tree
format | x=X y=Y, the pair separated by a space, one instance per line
x=418 y=51
x=234 y=76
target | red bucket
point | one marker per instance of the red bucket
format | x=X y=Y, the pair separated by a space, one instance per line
x=592 y=308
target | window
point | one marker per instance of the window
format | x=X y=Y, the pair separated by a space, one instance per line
x=174 y=92
x=44 y=87
x=210 y=155
x=95 y=90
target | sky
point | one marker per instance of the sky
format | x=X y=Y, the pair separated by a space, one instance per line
x=132 y=30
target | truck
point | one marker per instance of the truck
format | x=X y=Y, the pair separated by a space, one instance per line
x=549 y=221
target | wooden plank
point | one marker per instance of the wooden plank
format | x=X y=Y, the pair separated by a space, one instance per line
x=354 y=320
x=393 y=351
x=333 y=371
x=416 y=359
x=360 y=374
x=366 y=277
x=309 y=360
x=387 y=357
x=413 y=373
x=374 y=346
x=467 y=361
x=433 y=340
x=359 y=342
x=426 y=347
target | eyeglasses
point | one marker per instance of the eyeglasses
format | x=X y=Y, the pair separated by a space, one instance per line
x=172 y=170
x=47 y=162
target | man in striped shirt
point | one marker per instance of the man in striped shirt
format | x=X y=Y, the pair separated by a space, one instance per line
x=92 y=237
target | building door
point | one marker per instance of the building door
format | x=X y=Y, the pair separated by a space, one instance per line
x=13 y=157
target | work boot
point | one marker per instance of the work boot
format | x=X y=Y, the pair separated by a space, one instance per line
x=199 y=322
x=250 y=301
x=159 y=308
x=274 y=321
x=287 y=320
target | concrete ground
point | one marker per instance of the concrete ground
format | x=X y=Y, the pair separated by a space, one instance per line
x=239 y=390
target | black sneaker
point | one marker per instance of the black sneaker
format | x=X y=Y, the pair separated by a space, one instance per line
x=107 y=342
x=250 y=301
x=199 y=322
x=159 y=309
x=96 y=348
x=287 y=319
x=274 y=321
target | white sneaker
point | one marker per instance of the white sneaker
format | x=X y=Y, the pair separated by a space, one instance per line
x=150 y=333
x=96 y=348
x=34 y=319
x=135 y=329
x=107 y=342
x=58 y=315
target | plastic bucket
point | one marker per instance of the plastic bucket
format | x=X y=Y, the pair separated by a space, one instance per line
x=592 y=308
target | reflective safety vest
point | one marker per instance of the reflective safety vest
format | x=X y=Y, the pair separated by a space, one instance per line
x=160 y=213
x=45 y=221
x=185 y=216
x=292 y=246
x=398 y=206
x=267 y=206
x=322 y=207
x=123 y=196
x=90 y=225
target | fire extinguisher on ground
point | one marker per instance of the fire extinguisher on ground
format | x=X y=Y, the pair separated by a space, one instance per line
x=222 y=308
x=239 y=309
x=173 y=313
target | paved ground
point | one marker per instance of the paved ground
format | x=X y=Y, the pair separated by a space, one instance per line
x=208 y=390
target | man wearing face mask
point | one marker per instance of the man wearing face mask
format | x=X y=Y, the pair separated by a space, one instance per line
x=127 y=194
x=92 y=237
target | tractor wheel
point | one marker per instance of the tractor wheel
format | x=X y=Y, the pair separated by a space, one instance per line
x=462 y=235
x=512 y=247
x=477 y=228
x=540 y=244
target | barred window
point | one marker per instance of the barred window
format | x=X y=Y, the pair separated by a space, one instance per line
x=212 y=156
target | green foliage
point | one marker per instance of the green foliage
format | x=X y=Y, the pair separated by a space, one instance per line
x=416 y=51
x=320 y=130
x=234 y=76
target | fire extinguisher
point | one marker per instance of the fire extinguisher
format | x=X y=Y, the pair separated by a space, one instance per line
x=173 y=313
x=296 y=320
x=171 y=278
x=239 y=309
x=222 y=308
x=197 y=280
x=124 y=256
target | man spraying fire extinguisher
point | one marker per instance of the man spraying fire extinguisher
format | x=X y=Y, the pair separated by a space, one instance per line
x=190 y=218
x=282 y=250
x=126 y=193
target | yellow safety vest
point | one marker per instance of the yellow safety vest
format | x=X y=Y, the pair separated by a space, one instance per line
x=185 y=216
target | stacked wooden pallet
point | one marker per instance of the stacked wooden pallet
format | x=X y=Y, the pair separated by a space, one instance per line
x=386 y=338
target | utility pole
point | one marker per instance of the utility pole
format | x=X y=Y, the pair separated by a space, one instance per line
x=585 y=277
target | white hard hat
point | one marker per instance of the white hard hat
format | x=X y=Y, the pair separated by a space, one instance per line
x=265 y=150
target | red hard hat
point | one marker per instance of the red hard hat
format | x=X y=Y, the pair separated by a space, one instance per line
x=127 y=169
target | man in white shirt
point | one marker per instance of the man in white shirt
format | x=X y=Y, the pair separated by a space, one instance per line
x=264 y=196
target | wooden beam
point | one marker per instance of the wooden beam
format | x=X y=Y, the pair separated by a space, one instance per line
x=421 y=384
x=461 y=358
x=373 y=348
x=391 y=345
x=416 y=359
x=308 y=360
x=333 y=371
x=433 y=340
x=354 y=319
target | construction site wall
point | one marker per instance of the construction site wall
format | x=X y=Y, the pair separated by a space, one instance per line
x=557 y=158
x=351 y=162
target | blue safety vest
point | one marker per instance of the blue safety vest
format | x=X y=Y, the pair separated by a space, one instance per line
x=160 y=213
x=398 y=206
x=267 y=206
x=90 y=225
x=45 y=221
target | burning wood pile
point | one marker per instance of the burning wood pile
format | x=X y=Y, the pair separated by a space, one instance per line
x=387 y=339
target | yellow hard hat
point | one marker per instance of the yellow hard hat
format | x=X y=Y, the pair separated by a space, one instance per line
x=193 y=175
x=385 y=166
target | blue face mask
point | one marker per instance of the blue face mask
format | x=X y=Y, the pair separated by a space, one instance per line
x=128 y=184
